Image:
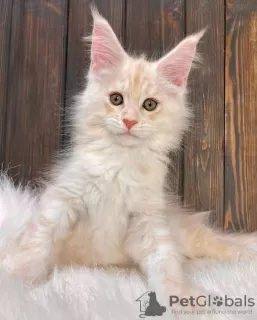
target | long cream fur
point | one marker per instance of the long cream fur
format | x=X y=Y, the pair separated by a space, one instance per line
x=104 y=203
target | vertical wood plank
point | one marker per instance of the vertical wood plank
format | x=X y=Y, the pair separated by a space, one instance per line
x=154 y=27
x=204 y=156
x=35 y=84
x=5 y=29
x=241 y=116
x=80 y=26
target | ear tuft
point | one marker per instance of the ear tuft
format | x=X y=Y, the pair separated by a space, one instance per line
x=106 y=51
x=175 y=66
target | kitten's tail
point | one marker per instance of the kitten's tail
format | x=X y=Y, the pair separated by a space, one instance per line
x=17 y=205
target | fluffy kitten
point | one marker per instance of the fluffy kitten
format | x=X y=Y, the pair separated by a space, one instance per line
x=105 y=203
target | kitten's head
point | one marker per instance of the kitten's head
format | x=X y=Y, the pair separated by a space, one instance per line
x=132 y=101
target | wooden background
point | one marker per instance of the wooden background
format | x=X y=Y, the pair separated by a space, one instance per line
x=42 y=65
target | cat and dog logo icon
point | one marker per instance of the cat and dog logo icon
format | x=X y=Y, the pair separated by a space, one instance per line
x=149 y=306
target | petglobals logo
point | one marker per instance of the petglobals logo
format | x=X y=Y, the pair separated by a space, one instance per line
x=209 y=301
x=149 y=305
x=212 y=305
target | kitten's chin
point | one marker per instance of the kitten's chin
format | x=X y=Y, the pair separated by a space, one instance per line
x=127 y=140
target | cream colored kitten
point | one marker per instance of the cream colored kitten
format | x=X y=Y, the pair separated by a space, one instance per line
x=105 y=203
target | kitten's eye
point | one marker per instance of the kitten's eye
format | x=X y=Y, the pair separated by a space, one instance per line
x=116 y=99
x=150 y=104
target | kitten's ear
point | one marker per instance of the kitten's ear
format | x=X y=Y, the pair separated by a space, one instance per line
x=175 y=66
x=106 y=51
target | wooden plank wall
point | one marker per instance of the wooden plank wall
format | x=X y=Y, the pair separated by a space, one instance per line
x=35 y=83
x=204 y=186
x=241 y=115
x=43 y=61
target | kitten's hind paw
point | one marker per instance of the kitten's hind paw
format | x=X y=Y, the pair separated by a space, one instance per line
x=246 y=255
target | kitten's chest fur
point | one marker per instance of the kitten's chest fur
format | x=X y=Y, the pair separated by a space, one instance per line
x=117 y=184
x=114 y=188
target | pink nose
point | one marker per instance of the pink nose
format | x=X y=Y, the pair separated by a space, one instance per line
x=129 y=123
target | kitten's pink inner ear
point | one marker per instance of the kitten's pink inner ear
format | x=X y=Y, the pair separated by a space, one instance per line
x=175 y=66
x=106 y=51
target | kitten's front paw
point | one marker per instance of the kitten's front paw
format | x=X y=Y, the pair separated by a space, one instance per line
x=30 y=262
x=184 y=297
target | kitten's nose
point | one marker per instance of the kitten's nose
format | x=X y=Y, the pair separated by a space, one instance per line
x=129 y=123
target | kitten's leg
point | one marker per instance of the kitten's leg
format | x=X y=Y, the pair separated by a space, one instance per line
x=200 y=240
x=150 y=245
x=33 y=257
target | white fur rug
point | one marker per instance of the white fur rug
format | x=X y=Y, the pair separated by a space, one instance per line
x=81 y=294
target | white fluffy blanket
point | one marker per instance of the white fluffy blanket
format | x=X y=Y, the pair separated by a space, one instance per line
x=81 y=294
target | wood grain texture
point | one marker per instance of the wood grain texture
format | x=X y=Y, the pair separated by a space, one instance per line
x=78 y=51
x=35 y=84
x=241 y=116
x=5 y=30
x=204 y=156
x=153 y=28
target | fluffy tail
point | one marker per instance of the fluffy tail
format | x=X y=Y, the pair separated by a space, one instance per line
x=17 y=205
x=200 y=240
